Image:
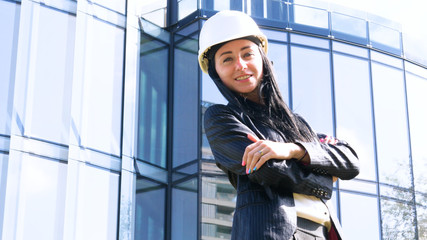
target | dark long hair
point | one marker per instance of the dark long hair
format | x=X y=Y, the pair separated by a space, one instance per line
x=277 y=113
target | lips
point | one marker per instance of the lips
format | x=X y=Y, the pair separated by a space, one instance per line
x=243 y=77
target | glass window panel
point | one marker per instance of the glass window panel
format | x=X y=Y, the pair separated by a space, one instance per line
x=153 y=95
x=386 y=59
x=218 y=204
x=103 y=91
x=361 y=211
x=153 y=11
x=310 y=16
x=210 y=92
x=277 y=10
x=350 y=49
x=184 y=210
x=422 y=221
x=186 y=103
x=391 y=125
x=117 y=6
x=50 y=89
x=354 y=109
x=149 y=210
x=275 y=35
x=396 y=192
x=41 y=203
x=381 y=36
x=417 y=98
x=148 y=170
x=355 y=185
x=350 y=25
x=398 y=220
x=186 y=7
x=310 y=41
x=97 y=212
x=311 y=90
x=9 y=28
x=278 y=55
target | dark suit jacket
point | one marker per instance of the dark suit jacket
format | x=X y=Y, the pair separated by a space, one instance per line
x=265 y=204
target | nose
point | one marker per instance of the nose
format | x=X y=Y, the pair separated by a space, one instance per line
x=241 y=64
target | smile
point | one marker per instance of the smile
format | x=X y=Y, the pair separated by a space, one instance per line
x=243 y=77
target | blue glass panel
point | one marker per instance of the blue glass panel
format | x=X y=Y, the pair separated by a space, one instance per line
x=184 y=210
x=152 y=121
x=149 y=211
x=186 y=7
x=278 y=53
x=50 y=85
x=391 y=125
x=385 y=38
x=311 y=90
x=349 y=28
x=398 y=220
x=218 y=203
x=354 y=117
x=186 y=103
x=417 y=98
x=9 y=28
x=360 y=211
x=154 y=11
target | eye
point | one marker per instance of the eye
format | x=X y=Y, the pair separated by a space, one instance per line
x=249 y=54
x=227 y=59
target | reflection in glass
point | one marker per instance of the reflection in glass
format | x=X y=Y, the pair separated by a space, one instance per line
x=104 y=80
x=417 y=98
x=218 y=203
x=315 y=83
x=186 y=7
x=354 y=109
x=306 y=15
x=342 y=24
x=9 y=25
x=398 y=220
x=385 y=38
x=359 y=216
x=153 y=11
x=186 y=102
x=149 y=210
x=41 y=204
x=278 y=53
x=184 y=210
x=53 y=66
x=152 y=116
x=391 y=125
x=422 y=221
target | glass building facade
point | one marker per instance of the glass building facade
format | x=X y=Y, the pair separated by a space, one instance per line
x=101 y=116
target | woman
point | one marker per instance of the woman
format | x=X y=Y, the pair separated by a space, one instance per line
x=283 y=172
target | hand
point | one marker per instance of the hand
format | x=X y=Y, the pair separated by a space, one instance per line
x=329 y=140
x=261 y=151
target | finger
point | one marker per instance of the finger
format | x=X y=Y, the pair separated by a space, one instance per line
x=250 y=152
x=253 y=138
x=249 y=149
x=255 y=154
x=261 y=161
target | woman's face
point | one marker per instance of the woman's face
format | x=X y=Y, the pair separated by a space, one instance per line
x=239 y=65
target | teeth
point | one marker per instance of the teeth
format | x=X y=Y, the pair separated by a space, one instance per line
x=243 y=77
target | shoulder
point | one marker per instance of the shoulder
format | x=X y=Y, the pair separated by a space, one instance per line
x=223 y=115
x=218 y=110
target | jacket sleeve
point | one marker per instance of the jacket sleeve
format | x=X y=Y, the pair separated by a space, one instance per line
x=339 y=160
x=227 y=136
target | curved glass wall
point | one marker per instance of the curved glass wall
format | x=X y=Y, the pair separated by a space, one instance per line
x=101 y=116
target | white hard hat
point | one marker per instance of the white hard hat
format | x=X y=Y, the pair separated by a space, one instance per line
x=225 y=26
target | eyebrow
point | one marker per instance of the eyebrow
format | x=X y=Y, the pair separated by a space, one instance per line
x=228 y=52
